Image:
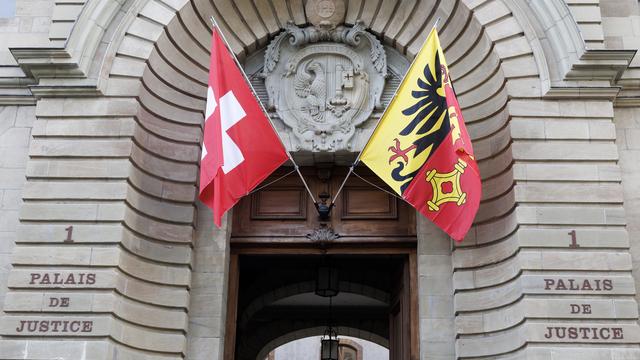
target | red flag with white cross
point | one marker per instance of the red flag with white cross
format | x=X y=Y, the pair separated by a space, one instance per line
x=240 y=147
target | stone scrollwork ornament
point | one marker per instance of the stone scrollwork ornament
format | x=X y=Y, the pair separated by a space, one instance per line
x=324 y=80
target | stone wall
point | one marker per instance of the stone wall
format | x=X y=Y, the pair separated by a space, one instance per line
x=15 y=134
x=621 y=20
x=110 y=268
x=114 y=164
x=29 y=27
x=436 y=305
x=627 y=121
x=208 y=295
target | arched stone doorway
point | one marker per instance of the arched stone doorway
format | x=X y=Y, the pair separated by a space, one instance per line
x=304 y=313
x=350 y=348
x=277 y=244
x=135 y=71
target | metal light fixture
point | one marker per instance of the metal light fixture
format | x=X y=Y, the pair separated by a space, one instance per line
x=324 y=210
x=329 y=345
x=327 y=280
x=327 y=286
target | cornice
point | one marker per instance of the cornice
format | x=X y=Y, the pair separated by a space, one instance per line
x=46 y=62
x=583 y=92
x=49 y=72
x=14 y=90
x=65 y=90
x=601 y=65
x=629 y=96
x=17 y=100
x=65 y=71
x=624 y=101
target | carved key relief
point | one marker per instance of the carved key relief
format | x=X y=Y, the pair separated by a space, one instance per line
x=324 y=81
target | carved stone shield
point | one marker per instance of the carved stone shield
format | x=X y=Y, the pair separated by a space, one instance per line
x=324 y=82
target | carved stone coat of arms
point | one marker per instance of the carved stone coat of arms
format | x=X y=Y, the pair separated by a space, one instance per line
x=323 y=82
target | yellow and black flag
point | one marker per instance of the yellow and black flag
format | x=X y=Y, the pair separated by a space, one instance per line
x=421 y=147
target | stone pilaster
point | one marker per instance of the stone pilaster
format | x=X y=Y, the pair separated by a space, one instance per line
x=208 y=301
x=435 y=288
x=15 y=135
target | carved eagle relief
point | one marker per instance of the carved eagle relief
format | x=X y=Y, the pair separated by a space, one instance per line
x=310 y=85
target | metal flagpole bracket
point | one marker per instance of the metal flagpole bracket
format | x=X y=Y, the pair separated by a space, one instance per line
x=324 y=210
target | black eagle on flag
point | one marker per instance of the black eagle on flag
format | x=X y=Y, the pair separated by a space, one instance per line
x=430 y=117
x=431 y=105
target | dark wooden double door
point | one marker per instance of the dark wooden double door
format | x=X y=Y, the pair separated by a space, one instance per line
x=280 y=220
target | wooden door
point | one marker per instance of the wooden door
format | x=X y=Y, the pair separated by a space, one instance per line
x=403 y=315
x=400 y=316
x=278 y=219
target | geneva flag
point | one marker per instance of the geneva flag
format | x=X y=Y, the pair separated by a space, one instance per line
x=240 y=146
x=421 y=147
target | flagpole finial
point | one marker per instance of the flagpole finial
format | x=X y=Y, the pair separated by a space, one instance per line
x=435 y=25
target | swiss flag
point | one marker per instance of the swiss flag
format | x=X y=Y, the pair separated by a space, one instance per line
x=240 y=146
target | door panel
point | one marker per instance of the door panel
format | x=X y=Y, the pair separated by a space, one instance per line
x=283 y=211
x=401 y=316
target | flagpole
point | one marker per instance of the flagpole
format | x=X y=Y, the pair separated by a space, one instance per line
x=264 y=110
x=355 y=163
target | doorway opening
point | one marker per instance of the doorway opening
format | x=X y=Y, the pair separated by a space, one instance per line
x=275 y=301
x=350 y=348
x=278 y=242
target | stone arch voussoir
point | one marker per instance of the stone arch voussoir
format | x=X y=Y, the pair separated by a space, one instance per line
x=318 y=331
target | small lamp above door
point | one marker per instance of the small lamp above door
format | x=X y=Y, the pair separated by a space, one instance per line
x=327 y=281
x=329 y=345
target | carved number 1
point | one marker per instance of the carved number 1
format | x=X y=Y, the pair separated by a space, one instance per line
x=69 y=234
x=574 y=243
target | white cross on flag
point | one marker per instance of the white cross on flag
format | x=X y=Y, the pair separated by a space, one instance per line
x=240 y=147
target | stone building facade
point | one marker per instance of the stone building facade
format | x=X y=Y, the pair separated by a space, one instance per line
x=106 y=254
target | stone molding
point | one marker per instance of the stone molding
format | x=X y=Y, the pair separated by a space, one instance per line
x=80 y=57
x=564 y=59
x=559 y=58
